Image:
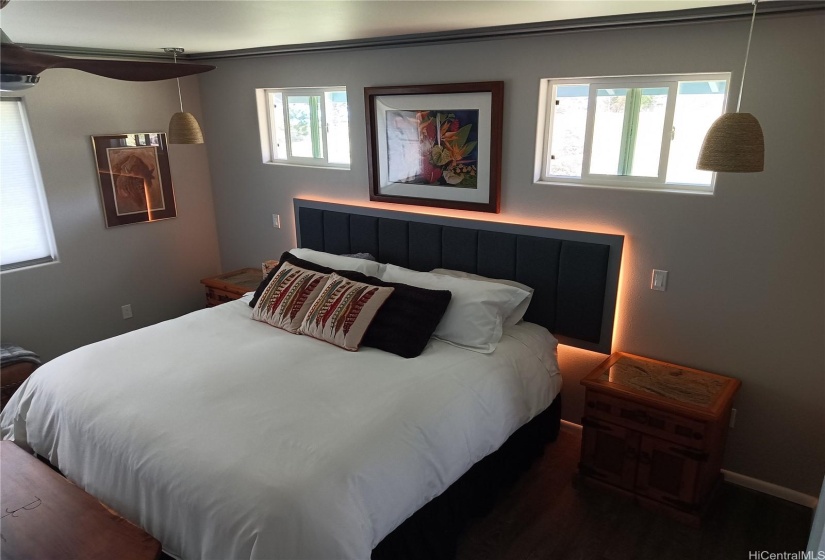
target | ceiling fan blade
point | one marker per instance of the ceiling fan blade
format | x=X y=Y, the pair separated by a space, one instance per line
x=134 y=71
x=15 y=59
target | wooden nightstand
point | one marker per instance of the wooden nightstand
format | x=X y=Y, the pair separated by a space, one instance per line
x=231 y=285
x=656 y=431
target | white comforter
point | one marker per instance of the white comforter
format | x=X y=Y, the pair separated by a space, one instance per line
x=227 y=438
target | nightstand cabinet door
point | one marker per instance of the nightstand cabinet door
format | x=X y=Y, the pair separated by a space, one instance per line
x=609 y=453
x=668 y=472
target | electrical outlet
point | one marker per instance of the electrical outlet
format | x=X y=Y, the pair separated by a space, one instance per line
x=276 y=221
x=126 y=310
x=732 y=417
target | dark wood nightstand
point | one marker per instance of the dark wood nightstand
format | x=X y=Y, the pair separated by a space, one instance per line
x=231 y=285
x=656 y=431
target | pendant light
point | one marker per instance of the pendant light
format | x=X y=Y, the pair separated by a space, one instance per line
x=734 y=142
x=183 y=127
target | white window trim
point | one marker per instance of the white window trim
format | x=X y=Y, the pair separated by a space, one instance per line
x=267 y=127
x=635 y=183
x=41 y=195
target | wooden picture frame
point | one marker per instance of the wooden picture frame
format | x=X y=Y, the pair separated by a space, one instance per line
x=134 y=176
x=436 y=145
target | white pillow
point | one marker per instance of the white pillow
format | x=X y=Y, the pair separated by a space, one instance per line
x=475 y=316
x=517 y=314
x=539 y=341
x=339 y=262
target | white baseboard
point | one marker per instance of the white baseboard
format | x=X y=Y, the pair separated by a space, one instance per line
x=770 y=489
x=740 y=479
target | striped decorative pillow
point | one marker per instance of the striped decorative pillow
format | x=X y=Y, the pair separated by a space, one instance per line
x=343 y=311
x=288 y=297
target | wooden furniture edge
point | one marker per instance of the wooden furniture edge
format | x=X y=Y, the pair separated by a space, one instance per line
x=716 y=412
x=213 y=282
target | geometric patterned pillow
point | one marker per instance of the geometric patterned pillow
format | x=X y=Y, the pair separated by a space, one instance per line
x=288 y=296
x=343 y=310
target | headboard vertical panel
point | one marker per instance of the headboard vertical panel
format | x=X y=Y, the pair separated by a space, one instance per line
x=336 y=233
x=425 y=246
x=393 y=242
x=459 y=249
x=312 y=228
x=538 y=265
x=574 y=274
x=582 y=269
x=363 y=234
x=496 y=254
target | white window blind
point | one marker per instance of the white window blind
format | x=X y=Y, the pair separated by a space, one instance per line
x=25 y=230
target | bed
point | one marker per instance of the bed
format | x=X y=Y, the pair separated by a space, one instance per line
x=227 y=438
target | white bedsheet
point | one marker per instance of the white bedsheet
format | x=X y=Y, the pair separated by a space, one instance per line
x=227 y=438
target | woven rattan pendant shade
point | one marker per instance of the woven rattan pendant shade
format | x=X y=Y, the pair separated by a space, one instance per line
x=733 y=144
x=184 y=129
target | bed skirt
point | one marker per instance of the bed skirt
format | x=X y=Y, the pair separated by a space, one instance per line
x=432 y=532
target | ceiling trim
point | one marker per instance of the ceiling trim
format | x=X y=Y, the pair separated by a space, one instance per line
x=696 y=15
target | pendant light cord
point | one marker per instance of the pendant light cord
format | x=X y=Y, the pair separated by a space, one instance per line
x=180 y=97
x=747 y=52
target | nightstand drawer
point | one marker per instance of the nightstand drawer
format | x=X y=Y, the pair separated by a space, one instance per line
x=678 y=429
x=215 y=296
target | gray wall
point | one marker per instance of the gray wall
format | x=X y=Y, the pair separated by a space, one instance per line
x=154 y=267
x=745 y=295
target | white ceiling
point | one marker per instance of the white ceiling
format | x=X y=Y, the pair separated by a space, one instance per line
x=215 y=25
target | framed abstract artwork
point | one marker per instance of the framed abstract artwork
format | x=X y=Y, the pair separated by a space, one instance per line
x=135 y=181
x=436 y=145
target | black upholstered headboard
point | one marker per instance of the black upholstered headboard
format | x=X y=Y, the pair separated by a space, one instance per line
x=575 y=274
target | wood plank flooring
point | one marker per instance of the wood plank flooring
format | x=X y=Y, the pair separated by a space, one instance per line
x=549 y=515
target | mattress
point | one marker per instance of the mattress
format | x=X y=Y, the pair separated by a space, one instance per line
x=224 y=437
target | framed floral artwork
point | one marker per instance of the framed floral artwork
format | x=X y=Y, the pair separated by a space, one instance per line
x=135 y=181
x=436 y=145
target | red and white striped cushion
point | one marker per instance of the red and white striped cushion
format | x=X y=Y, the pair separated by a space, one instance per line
x=288 y=297
x=343 y=310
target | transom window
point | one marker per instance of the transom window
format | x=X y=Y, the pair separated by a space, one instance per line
x=629 y=131
x=26 y=235
x=305 y=126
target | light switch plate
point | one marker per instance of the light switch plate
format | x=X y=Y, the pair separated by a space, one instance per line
x=658 y=281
